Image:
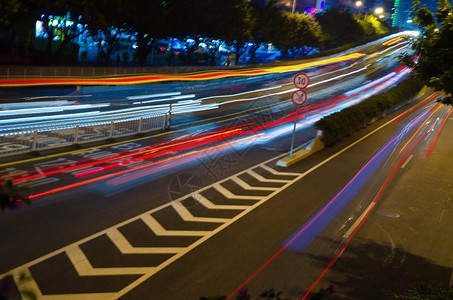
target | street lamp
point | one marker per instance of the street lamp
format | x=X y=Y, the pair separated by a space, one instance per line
x=378 y=10
x=358 y=4
x=294 y=6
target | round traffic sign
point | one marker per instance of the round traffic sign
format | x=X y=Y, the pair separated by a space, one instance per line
x=301 y=80
x=299 y=97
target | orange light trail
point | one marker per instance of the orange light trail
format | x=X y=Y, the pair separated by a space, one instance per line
x=125 y=151
x=420 y=127
x=67 y=169
x=414 y=108
x=370 y=207
x=183 y=146
x=393 y=41
x=67 y=187
x=438 y=132
x=161 y=78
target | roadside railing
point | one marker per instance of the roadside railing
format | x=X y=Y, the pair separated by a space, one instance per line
x=17 y=72
x=34 y=139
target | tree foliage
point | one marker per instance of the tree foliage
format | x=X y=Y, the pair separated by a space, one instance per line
x=343 y=123
x=434 y=48
x=8 y=9
x=425 y=291
x=241 y=26
x=339 y=27
x=106 y=25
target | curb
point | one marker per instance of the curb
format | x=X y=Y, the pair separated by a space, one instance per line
x=316 y=145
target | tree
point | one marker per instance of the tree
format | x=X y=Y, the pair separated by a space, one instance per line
x=234 y=22
x=306 y=35
x=69 y=20
x=106 y=26
x=371 y=26
x=8 y=9
x=149 y=20
x=340 y=27
x=425 y=291
x=434 y=48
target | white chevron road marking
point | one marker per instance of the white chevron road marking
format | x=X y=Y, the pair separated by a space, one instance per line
x=126 y=248
x=185 y=214
x=248 y=187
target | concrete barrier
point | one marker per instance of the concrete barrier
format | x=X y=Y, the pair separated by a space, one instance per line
x=316 y=145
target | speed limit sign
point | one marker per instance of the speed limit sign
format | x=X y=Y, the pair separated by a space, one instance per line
x=299 y=97
x=301 y=81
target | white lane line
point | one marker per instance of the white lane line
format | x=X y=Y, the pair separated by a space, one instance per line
x=358 y=221
x=407 y=161
x=153 y=96
x=93 y=296
x=441 y=215
x=205 y=202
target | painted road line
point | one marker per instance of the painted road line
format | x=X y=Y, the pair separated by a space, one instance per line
x=230 y=195
x=259 y=109
x=159 y=230
x=188 y=217
x=173 y=131
x=188 y=77
x=246 y=186
x=407 y=161
x=262 y=179
x=126 y=248
x=208 y=204
x=84 y=267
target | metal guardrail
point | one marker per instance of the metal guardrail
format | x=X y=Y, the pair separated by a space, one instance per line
x=52 y=137
x=17 y=72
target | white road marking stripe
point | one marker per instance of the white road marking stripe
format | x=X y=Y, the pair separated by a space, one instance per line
x=126 y=248
x=159 y=230
x=230 y=195
x=208 y=204
x=185 y=214
x=262 y=179
x=246 y=186
x=407 y=161
x=84 y=267
x=146 y=217
x=275 y=172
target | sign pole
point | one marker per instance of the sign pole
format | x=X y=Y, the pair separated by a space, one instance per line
x=294 y=132
x=299 y=97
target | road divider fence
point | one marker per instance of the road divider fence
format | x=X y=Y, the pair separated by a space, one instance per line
x=17 y=72
x=40 y=138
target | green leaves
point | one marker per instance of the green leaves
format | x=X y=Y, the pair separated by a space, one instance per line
x=8 y=8
x=434 y=46
x=351 y=119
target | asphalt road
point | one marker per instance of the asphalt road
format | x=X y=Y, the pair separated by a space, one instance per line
x=374 y=261
x=95 y=240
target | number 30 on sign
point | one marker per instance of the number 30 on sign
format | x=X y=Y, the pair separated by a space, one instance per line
x=301 y=81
